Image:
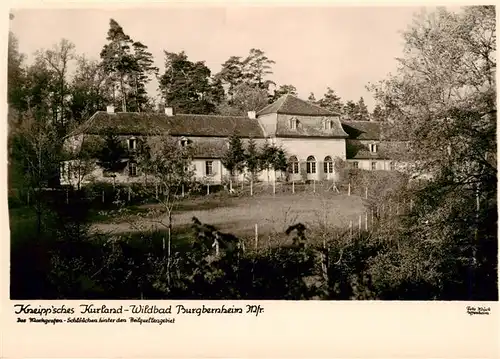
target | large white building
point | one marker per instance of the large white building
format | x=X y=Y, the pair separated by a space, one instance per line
x=311 y=136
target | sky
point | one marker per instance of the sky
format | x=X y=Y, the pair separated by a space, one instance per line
x=344 y=48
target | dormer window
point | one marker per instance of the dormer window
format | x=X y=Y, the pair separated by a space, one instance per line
x=293 y=123
x=328 y=125
x=373 y=147
x=132 y=143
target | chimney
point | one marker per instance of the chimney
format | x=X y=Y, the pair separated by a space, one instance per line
x=169 y=111
x=110 y=109
x=251 y=115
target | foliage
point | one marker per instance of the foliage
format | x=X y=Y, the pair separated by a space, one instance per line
x=248 y=98
x=15 y=72
x=231 y=74
x=312 y=98
x=331 y=101
x=58 y=61
x=378 y=113
x=234 y=157
x=281 y=91
x=362 y=113
x=112 y=154
x=443 y=99
x=188 y=86
x=252 y=158
x=129 y=66
x=90 y=89
x=256 y=67
x=35 y=154
x=350 y=110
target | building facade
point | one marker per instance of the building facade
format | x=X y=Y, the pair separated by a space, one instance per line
x=312 y=138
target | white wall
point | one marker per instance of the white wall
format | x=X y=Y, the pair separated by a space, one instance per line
x=317 y=147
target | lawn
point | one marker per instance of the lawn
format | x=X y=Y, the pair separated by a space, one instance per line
x=238 y=215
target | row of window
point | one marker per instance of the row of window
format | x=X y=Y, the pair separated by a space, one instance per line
x=355 y=165
x=293 y=124
x=132 y=143
x=310 y=165
x=293 y=166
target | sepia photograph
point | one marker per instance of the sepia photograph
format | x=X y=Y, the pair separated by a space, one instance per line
x=253 y=153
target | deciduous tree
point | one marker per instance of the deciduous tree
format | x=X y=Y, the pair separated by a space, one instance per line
x=443 y=100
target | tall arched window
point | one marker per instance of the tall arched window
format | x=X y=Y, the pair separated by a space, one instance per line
x=293 y=164
x=328 y=165
x=311 y=164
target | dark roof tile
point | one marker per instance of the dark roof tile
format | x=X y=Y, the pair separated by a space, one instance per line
x=133 y=123
x=362 y=130
x=291 y=105
x=309 y=127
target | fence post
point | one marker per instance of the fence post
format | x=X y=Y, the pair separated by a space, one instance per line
x=129 y=193
x=293 y=186
x=366 y=192
x=67 y=196
x=366 y=221
x=251 y=187
x=208 y=189
x=372 y=217
x=256 y=235
x=314 y=186
x=182 y=189
x=230 y=185
x=102 y=196
x=156 y=190
x=360 y=223
x=274 y=187
x=349 y=189
x=411 y=205
x=28 y=198
x=216 y=243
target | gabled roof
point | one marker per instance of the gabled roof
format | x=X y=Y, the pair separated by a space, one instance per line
x=291 y=105
x=134 y=123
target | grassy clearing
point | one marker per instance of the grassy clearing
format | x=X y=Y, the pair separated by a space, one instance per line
x=238 y=215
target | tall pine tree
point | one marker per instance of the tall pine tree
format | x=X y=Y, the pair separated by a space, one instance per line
x=119 y=62
x=331 y=101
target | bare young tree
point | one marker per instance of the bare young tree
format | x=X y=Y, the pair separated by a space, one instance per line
x=167 y=161
x=58 y=59
x=34 y=150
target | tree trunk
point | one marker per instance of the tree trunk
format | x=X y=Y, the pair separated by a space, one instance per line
x=169 y=245
x=124 y=100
